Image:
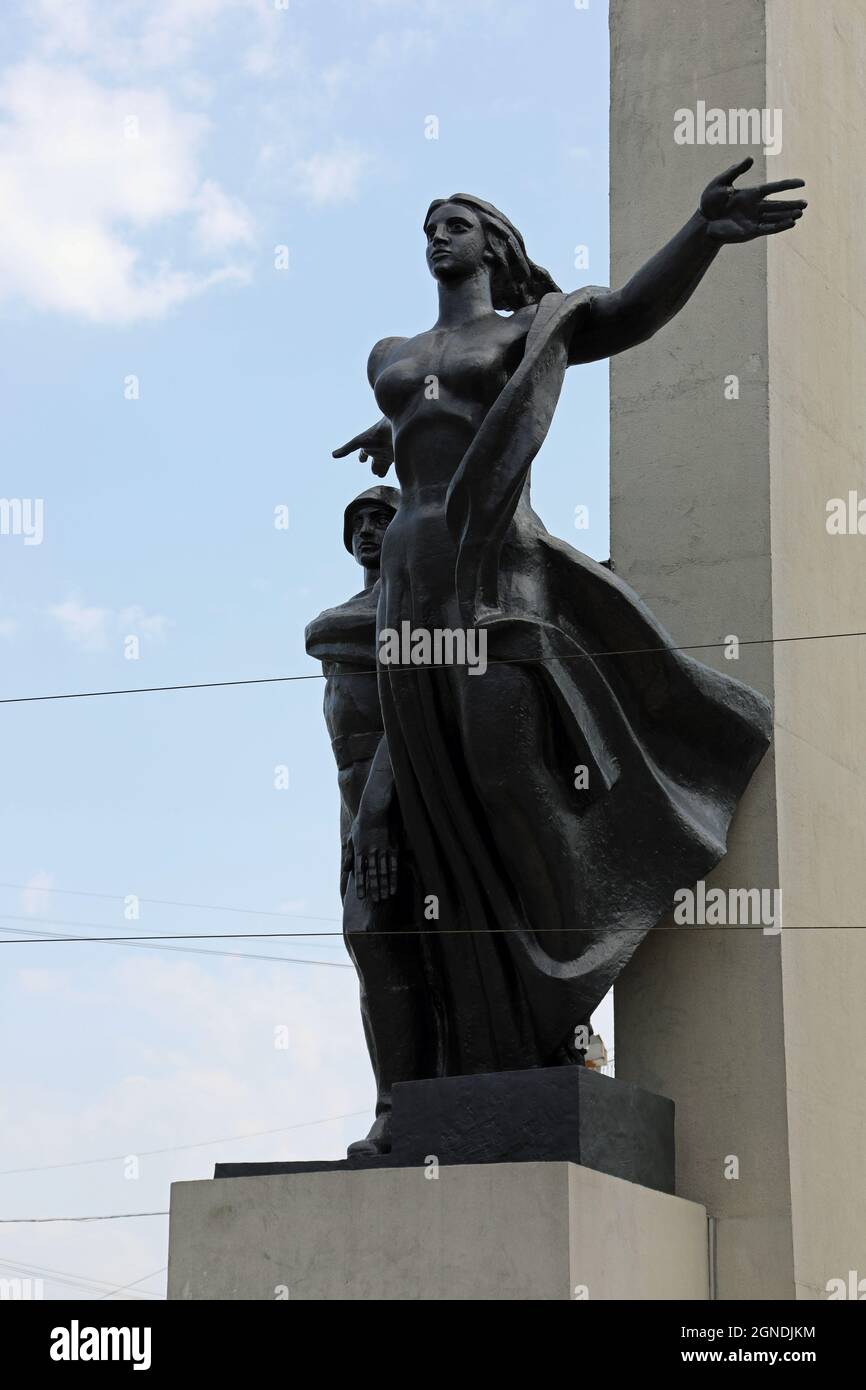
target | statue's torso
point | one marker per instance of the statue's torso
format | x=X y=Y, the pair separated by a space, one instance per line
x=351 y=702
x=344 y=640
x=436 y=389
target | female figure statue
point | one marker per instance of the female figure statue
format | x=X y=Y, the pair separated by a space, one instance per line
x=552 y=807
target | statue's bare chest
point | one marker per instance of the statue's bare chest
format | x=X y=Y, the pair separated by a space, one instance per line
x=471 y=364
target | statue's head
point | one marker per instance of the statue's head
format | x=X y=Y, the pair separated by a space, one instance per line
x=365 y=521
x=465 y=234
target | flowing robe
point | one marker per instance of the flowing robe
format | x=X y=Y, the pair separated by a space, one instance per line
x=542 y=887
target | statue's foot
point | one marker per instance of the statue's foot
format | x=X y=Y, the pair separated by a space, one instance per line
x=378 y=1141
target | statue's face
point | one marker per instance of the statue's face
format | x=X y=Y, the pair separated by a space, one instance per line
x=369 y=525
x=455 y=242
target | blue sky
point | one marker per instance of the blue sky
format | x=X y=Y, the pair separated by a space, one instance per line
x=152 y=157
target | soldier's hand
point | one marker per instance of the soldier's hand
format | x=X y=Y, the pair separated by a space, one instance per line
x=375 y=859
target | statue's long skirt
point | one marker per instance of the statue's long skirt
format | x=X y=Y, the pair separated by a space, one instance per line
x=554 y=804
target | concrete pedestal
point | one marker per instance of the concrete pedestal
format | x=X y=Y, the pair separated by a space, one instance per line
x=484 y=1231
x=546 y=1115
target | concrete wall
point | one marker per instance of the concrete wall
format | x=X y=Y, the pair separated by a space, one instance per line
x=718 y=520
x=816 y=71
x=499 y=1231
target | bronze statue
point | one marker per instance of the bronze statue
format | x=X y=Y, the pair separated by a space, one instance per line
x=551 y=808
x=394 y=996
x=344 y=640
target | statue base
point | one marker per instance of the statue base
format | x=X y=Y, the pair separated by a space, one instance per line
x=551 y=1114
x=488 y=1231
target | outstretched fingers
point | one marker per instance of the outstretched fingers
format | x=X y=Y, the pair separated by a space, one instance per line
x=780 y=216
x=783 y=205
x=724 y=179
x=781 y=186
x=353 y=444
x=770 y=228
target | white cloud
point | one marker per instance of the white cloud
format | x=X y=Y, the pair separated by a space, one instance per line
x=331 y=177
x=35 y=899
x=139 y=33
x=186 y=1054
x=85 y=627
x=259 y=60
x=86 y=174
x=8 y=627
x=136 y=620
x=199 y=1034
x=222 y=221
x=172 y=28
x=400 y=46
x=87 y=207
x=92 y=628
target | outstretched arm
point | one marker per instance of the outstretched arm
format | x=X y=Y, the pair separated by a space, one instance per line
x=377 y=442
x=623 y=318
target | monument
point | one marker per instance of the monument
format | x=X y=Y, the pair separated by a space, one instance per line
x=520 y=786
x=518 y=810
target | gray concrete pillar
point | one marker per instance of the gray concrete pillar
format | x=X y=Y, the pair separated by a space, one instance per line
x=718 y=519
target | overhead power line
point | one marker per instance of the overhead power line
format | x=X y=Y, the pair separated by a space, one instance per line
x=98 y=1287
x=26 y=937
x=372 y=671
x=143 y=1280
x=410 y=930
x=178 y=1148
x=167 y=902
x=48 y=1220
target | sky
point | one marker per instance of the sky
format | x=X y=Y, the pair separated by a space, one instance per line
x=212 y=210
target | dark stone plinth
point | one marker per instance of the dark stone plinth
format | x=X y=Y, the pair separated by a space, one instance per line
x=550 y=1114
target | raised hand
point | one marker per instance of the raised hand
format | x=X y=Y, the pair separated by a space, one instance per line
x=375 y=443
x=741 y=214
